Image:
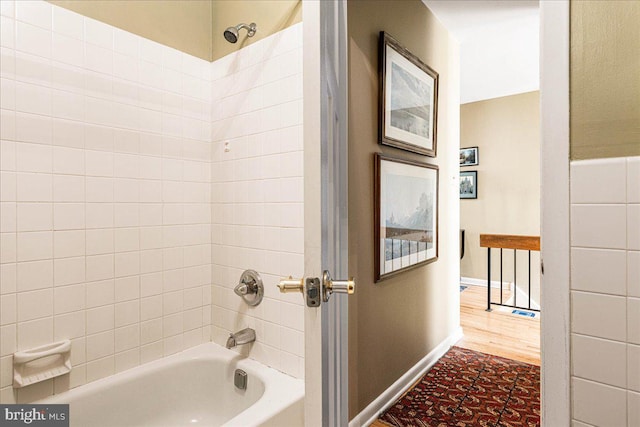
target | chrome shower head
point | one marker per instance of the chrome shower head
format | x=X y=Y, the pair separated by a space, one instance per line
x=231 y=33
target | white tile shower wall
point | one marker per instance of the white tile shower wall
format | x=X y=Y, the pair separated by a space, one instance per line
x=605 y=291
x=105 y=214
x=257 y=195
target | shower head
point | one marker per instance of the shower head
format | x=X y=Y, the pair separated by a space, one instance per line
x=231 y=33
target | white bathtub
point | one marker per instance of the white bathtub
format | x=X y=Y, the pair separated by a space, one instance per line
x=191 y=388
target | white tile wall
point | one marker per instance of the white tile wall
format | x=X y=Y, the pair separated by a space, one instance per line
x=257 y=194
x=605 y=296
x=105 y=195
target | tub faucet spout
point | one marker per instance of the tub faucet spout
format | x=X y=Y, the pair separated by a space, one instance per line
x=244 y=336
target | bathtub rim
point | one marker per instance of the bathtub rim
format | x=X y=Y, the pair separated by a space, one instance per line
x=281 y=391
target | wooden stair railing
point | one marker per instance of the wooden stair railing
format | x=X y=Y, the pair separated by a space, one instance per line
x=507 y=241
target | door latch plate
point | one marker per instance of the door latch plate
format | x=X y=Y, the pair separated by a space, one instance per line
x=313 y=292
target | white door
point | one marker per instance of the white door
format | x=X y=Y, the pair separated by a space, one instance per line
x=325 y=213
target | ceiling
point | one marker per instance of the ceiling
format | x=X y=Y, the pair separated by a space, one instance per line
x=499 y=45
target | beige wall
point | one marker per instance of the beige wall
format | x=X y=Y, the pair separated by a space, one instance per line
x=185 y=25
x=395 y=323
x=605 y=87
x=270 y=16
x=507 y=133
x=192 y=26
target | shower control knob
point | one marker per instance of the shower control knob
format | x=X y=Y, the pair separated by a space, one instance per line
x=291 y=285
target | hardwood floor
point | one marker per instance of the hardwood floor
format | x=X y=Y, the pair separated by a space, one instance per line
x=497 y=332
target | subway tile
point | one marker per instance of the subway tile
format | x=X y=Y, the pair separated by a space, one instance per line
x=150 y=331
x=98 y=33
x=69 y=216
x=68 y=133
x=100 y=293
x=100 y=345
x=633 y=179
x=37 y=13
x=68 y=243
x=68 y=188
x=598 y=404
x=34 y=275
x=599 y=360
x=598 y=315
x=7 y=93
x=633 y=227
x=7 y=32
x=67 y=299
x=100 y=267
x=33 y=40
x=34 y=187
x=99 y=215
x=68 y=23
x=33 y=128
x=69 y=326
x=127 y=313
x=68 y=50
x=100 y=319
x=68 y=271
x=8 y=278
x=33 y=246
x=100 y=241
x=68 y=105
x=34 y=216
x=125 y=43
x=127 y=338
x=589 y=230
x=127 y=288
x=101 y=368
x=633 y=274
x=633 y=367
x=34 y=333
x=69 y=161
x=8 y=248
x=8 y=307
x=633 y=407
x=127 y=359
x=34 y=158
x=35 y=304
x=633 y=320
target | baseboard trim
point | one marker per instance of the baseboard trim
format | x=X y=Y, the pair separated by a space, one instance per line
x=398 y=388
x=483 y=282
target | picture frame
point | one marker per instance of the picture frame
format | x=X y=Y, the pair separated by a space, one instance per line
x=408 y=105
x=469 y=185
x=406 y=215
x=469 y=156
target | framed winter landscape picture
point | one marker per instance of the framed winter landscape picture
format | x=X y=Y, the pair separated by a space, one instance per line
x=406 y=215
x=408 y=109
x=469 y=185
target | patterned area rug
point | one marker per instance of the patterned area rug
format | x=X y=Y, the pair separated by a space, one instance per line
x=467 y=388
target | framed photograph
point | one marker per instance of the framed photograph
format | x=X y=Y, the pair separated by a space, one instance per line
x=469 y=156
x=408 y=107
x=406 y=215
x=469 y=185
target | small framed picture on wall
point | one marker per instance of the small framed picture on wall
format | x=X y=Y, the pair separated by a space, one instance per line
x=469 y=156
x=469 y=185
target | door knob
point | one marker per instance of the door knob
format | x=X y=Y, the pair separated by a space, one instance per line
x=291 y=285
x=330 y=286
x=314 y=289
